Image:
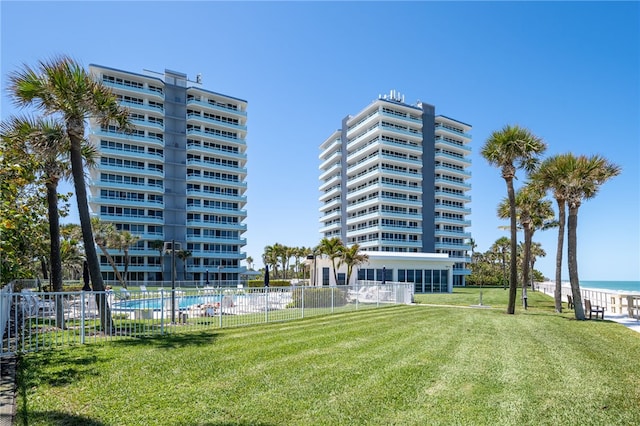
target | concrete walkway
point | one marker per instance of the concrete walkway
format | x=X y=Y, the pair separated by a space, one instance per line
x=631 y=323
x=7 y=390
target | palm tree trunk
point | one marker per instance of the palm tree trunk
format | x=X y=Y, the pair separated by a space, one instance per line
x=561 y=226
x=526 y=257
x=513 y=279
x=75 y=130
x=56 y=260
x=573 y=261
x=126 y=268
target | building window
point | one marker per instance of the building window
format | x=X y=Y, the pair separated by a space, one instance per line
x=325 y=276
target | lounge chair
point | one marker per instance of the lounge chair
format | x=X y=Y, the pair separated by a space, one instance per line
x=34 y=305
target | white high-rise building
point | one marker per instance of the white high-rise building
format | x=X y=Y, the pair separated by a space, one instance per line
x=394 y=178
x=177 y=177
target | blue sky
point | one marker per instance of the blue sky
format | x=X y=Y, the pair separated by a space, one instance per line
x=567 y=71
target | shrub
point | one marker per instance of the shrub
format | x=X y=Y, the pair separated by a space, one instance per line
x=272 y=283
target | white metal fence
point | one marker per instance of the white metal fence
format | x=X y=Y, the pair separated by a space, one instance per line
x=37 y=321
x=616 y=303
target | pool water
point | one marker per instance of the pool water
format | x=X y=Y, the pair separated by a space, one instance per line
x=183 y=302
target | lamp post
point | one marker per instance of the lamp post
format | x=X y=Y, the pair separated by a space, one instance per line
x=173 y=281
x=173 y=278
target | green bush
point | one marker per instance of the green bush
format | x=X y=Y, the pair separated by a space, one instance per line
x=318 y=297
x=272 y=283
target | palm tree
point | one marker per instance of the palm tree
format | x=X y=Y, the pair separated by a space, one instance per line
x=72 y=258
x=106 y=236
x=270 y=257
x=352 y=257
x=126 y=239
x=63 y=87
x=532 y=212
x=585 y=178
x=553 y=175
x=507 y=148
x=333 y=249
x=159 y=246
x=536 y=252
x=502 y=246
x=183 y=255
x=47 y=141
x=250 y=262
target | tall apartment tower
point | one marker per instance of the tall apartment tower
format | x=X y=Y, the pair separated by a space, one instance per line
x=394 y=178
x=177 y=177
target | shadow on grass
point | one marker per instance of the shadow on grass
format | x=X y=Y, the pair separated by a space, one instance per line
x=55 y=418
x=171 y=341
x=238 y=424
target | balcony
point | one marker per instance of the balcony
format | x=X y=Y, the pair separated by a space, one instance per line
x=442 y=143
x=145 y=91
x=209 y=165
x=412 y=134
x=333 y=158
x=214 y=136
x=125 y=202
x=461 y=161
x=125 y=137
x=452 y=246
x=220 y=108
x=452 y=196
x=224 y=124
x=131 y=219
x=442 y=129
x=452 y=183
x=449 y=208
x=443 y=168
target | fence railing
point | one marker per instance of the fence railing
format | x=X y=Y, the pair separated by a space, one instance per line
x=618 y=303
x=38 y=321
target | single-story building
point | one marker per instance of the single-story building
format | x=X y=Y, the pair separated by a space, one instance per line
x=430 y=272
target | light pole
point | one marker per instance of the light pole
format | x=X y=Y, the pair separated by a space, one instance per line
x=173 y=279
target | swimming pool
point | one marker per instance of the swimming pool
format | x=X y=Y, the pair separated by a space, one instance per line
x=183 y=302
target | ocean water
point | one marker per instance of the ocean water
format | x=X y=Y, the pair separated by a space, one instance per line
x=612 y=285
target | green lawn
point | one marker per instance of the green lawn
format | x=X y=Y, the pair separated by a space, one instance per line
x=402 y=365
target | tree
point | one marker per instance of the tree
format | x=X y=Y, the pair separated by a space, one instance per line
x=553 y=175
x=586 y=176
x=62 y=87
x=106 y=236
x=250 y=262
x=333 y=249
x=183 y=255
x=536 y=252
x=125 y=240
x=502 y=246
x=270 y=258
x=47 y=141
x=351 y=257
x=21 y=211
x=159 y=246
x=507 y=148
x=532 y=212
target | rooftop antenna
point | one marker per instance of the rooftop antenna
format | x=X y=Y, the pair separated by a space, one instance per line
x=199 y=78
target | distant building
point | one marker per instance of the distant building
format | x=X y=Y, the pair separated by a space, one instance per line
x=430 y=272
x=179 y=176
x=394 y=178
